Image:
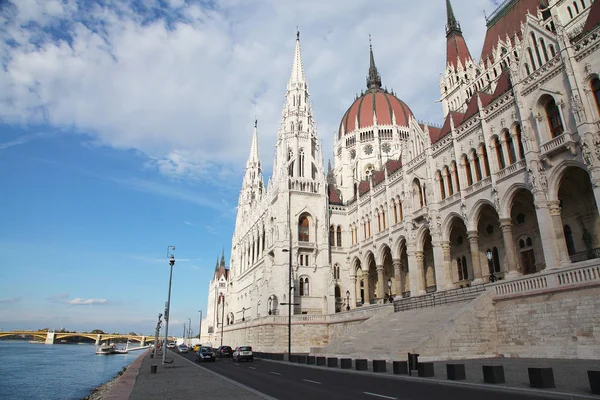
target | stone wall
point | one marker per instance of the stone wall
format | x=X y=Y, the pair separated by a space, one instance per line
x=561 y=324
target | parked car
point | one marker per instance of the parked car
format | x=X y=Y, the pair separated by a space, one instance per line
x=224 y=351
x=205 y=354
x=171 y=345
x=182 y=348
x=243 y=353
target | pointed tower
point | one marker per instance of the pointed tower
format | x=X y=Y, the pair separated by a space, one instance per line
x=298 y=148
x=253 y=184
x=373 y=79
x=456 y=47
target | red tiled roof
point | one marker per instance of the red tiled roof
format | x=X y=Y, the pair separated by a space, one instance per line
x=380 y=102
x=456 y=48
x=334 y=196
x=593 y=18
x=434 y=133
x=502 y=85
x=456 y=117
x=363 y=187
x=485 y=98
x=378 y=176
x=472 y=107
x=393 y=165
x=507 y=22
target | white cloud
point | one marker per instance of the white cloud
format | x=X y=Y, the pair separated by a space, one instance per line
x=10 y=301
x=183 y=89
x=86 y=302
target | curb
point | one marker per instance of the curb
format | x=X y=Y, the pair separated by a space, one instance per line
x=124 y=385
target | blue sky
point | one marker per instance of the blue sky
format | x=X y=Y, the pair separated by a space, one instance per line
x=125 y=126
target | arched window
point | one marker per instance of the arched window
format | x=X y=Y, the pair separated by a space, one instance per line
x=531 y=58
x=395 y=206
x=465 y=270
x=400 y=211
x=570 y=12
x=383 y=218
x=339 y=236
x=455 y=173
x=583 y=4
x=576 y=7
x=512 y=157
x=519 y=141
x=301 y=163
x=569 y=240
x=596 y=89
x=486 y=163
x=290 y=162
x=449 y=180
x=468 y=171
x=544 y=52
x=552 y=51
x=378 y=222
x=303 y=231
x=304 y=286
x=331 y=236
x=477 y=163
x=441 y=182
x=527 y=70
x=417 y=194
x=499 y=153
x=496 y=259
x=537 y=49
x=554 y=120
x=459 y=268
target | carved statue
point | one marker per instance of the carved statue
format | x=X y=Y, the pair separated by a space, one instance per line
x=496 y=199
x=586 y=154
x=463 y=211
x=532 y=179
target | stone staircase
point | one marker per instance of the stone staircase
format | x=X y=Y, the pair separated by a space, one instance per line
x=391 y=336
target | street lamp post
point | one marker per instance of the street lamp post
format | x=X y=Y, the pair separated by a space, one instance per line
x=222 y=299
x=347 y=300
x=200 y=327
x=156 y=333
x=168 y=306
x=389 y=283
x=189 y=336
x=489 y=256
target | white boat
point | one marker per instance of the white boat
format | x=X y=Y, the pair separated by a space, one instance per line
x=106 y=348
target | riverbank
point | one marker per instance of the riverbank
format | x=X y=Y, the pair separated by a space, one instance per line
x=121 y=385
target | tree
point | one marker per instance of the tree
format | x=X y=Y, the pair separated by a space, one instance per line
x=97 y=331
x=133 y=334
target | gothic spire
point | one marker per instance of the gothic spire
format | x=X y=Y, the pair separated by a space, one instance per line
x=374 y=79
x=223 y=258
x=452 y=25
x=254 y=157
x=297 y=75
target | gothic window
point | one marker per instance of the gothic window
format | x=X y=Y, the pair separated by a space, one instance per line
x=519 y=138
x=468 y=170
x=304 y=286
x=583 y=4
x=303 y=229
x=554 y=120
x=441 y=182
x=301 y=163
x=512 y=157
x=596 y=89
x=455 y=173
x=383 y=218
x=290 y=163
x=477 y=163
x=368 y=149
x=331 y=236
x=465 y=270
x=499 y=153
x=395 y=206
x=378 y=222
x=543 y=46
x=459 y=269
x=449 y=180
x=531 y=59
x=527 y=70
x=369 y=227
x=576 y=7
x=339 y=236
x=386 y=148
x=486 y=163
x=417 y=194
x=552 y=51
x=300 y=126
x=570 y=12
x=537 y=49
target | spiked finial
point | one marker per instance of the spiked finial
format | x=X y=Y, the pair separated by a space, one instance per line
x=452 y=24
x=373 y=79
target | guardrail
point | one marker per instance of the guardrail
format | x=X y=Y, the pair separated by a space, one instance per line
x=439 y=298
x=585 y=255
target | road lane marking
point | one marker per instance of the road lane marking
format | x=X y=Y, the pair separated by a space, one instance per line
x=379 y=395
x=274 y=373
x=251 y=367
x=308 y=380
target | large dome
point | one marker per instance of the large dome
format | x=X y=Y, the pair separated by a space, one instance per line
x=375 y=102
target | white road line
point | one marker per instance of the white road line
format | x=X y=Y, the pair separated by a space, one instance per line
x=274 y=373
x=308 y=380
x=251 y=367
x=379 y=395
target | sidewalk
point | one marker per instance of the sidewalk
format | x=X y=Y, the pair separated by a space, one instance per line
x=181 y=380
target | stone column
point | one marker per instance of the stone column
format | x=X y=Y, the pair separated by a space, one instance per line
x=439 y=266
x=475 y=270
x=397 y=264
x=352 y=291
x=381 y=285
x=509 y=248
x=415 y=260
x=366 y=288
x=473 y=171
x=561 y=244
x=547 y=235
x=447 y=264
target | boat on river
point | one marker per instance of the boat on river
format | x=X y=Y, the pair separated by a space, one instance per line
x=107 y=348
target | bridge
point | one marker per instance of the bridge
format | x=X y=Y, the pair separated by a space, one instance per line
x=52 y=337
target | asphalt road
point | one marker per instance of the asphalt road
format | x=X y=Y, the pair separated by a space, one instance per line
x=288 y=381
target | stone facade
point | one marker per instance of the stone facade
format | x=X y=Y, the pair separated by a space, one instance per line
x=508 y=184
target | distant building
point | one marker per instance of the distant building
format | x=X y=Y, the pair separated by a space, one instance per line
x=409 y=207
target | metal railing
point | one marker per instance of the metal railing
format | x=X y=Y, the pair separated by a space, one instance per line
x=585 y=255
x=439 y=298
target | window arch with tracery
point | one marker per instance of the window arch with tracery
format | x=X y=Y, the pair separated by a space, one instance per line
x=595 y=84
x=339 y=236
x=303 y=229
x=554 y=120
x=304 y=286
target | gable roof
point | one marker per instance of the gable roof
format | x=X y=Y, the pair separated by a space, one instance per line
x=593 y=18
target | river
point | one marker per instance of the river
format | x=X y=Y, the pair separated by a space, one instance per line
x=62 y=371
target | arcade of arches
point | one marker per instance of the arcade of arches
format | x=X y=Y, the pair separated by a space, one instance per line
x=517 y=243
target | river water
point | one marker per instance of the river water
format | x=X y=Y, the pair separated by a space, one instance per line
x=30 y=371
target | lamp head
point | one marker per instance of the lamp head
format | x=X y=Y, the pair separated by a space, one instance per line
x=172 y=260
x=390 y=283
x=489 y=255
x=347 y=293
